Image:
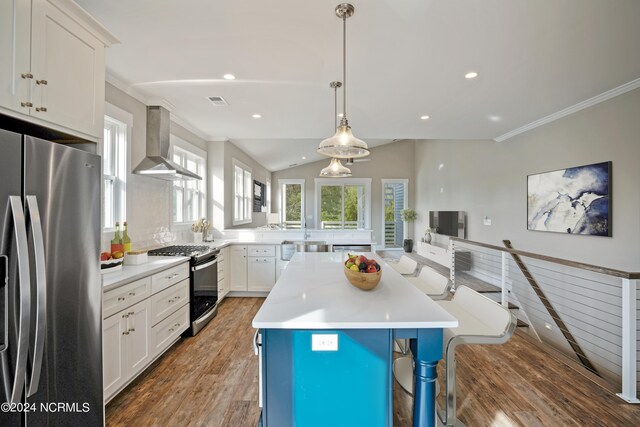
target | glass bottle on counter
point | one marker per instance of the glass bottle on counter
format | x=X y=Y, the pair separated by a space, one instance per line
x=116 y=242
x=126 y=240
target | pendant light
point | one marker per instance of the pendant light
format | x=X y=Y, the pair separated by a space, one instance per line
x=335 y=168
x=343 y=144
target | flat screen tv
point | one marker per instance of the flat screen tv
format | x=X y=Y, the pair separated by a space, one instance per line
x=449 y=223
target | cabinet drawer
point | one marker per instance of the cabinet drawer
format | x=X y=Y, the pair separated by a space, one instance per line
x=125 y=296
x=171 y=276
x=262 y=250
x=163 y=334
x=166 y=302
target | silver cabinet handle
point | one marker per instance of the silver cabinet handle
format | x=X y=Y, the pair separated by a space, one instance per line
x=41 y=299
x=177 y=296
x=131 y=314
x=125 y=333
x=26 y=75
x=41 y=82
x=171 y=301
x=133 y=294
x=171 y=329
x=26 y=104
x=14 y=391
x=41 y=109
x=177 y=325
x=121 y=298
x=125 y=316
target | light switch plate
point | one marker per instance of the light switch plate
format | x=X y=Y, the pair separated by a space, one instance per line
x=487 y=221
x=324 y=342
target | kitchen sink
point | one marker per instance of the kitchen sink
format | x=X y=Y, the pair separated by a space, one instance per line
x=288 y=247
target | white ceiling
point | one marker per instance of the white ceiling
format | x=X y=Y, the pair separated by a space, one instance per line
x=405 y=59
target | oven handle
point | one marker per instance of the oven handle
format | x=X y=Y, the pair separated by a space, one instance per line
x=200 y=267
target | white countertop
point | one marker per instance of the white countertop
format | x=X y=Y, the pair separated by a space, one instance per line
x=129 y=273
x=313 y=293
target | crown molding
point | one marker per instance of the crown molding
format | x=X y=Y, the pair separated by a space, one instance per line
x=88 y=22
x=605 y=96
x=183 y=123
x=126 y=88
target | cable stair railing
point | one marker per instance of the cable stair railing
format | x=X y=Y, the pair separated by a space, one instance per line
x=586 y=311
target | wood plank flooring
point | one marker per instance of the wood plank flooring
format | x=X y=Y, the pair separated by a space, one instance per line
x=211 y=380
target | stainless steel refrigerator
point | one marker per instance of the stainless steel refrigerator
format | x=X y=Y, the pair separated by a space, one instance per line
x=50 y=287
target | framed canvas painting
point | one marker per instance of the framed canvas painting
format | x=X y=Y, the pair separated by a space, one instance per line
x=574 y=200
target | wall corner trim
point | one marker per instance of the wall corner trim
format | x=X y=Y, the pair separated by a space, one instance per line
x=634 y=84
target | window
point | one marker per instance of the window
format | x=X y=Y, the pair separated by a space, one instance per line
x=343 y=204
x=394 y=200
x=243 y=194
x=117 y=126
x=189 y=195
x=292 y=202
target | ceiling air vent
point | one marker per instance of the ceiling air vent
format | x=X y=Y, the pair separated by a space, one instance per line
x=218 y=101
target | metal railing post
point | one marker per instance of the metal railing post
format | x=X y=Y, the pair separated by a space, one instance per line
x=503 y=280
x=629 y=341
x=452 y=270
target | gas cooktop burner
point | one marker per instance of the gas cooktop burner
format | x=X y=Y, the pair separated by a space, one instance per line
x=181 y=250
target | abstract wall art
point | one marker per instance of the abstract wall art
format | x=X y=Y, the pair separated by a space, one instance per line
x=575 y=200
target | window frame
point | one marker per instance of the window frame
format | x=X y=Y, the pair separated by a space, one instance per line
x=247 y=193
x=405 y=227
x=281 y=184
x=123 y=122
x=179 y=146
x=366 y=182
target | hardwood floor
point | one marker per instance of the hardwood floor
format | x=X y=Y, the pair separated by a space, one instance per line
x=211 y=380
x=208 y=380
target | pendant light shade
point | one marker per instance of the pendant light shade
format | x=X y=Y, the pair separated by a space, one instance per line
x=343 y=144
x=335 y=170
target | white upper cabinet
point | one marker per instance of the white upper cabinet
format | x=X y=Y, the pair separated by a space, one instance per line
x=56 y=75
x=15 y=62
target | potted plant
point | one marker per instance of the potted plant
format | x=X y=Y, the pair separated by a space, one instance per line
x=409 y=215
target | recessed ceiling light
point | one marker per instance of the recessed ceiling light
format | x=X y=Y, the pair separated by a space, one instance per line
x=229 y=77
x=304 y=157
x=471 y=75
x=424 y=117
x=256 y=116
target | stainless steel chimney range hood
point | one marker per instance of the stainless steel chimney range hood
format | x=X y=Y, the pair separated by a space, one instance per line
x=157 y=163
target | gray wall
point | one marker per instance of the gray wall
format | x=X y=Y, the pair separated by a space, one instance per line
x=148 y=199
x=486 y=178
x=389 y=161
x=258 y=172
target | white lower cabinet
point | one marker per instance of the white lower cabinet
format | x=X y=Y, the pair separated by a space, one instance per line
x=141 y=320
x=223 y=273
x=261 y=273
x=126 y=345
x=238 y=268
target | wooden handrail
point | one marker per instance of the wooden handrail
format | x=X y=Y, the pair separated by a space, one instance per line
x=569 y=263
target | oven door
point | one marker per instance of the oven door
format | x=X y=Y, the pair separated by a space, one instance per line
x=204 y=285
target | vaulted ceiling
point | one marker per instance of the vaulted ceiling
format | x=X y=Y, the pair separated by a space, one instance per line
x=405 y=59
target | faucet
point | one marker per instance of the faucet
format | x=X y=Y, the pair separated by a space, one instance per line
x=306 y=233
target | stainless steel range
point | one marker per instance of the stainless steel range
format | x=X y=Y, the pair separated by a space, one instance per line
x=203 y=282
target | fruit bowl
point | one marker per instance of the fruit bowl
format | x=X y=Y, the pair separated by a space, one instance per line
x=364 y=281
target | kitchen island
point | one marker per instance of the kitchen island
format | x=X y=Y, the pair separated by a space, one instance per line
x=327 y=346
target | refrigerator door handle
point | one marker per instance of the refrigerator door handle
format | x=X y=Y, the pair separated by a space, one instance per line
x=37 y=348
x=14 y=391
